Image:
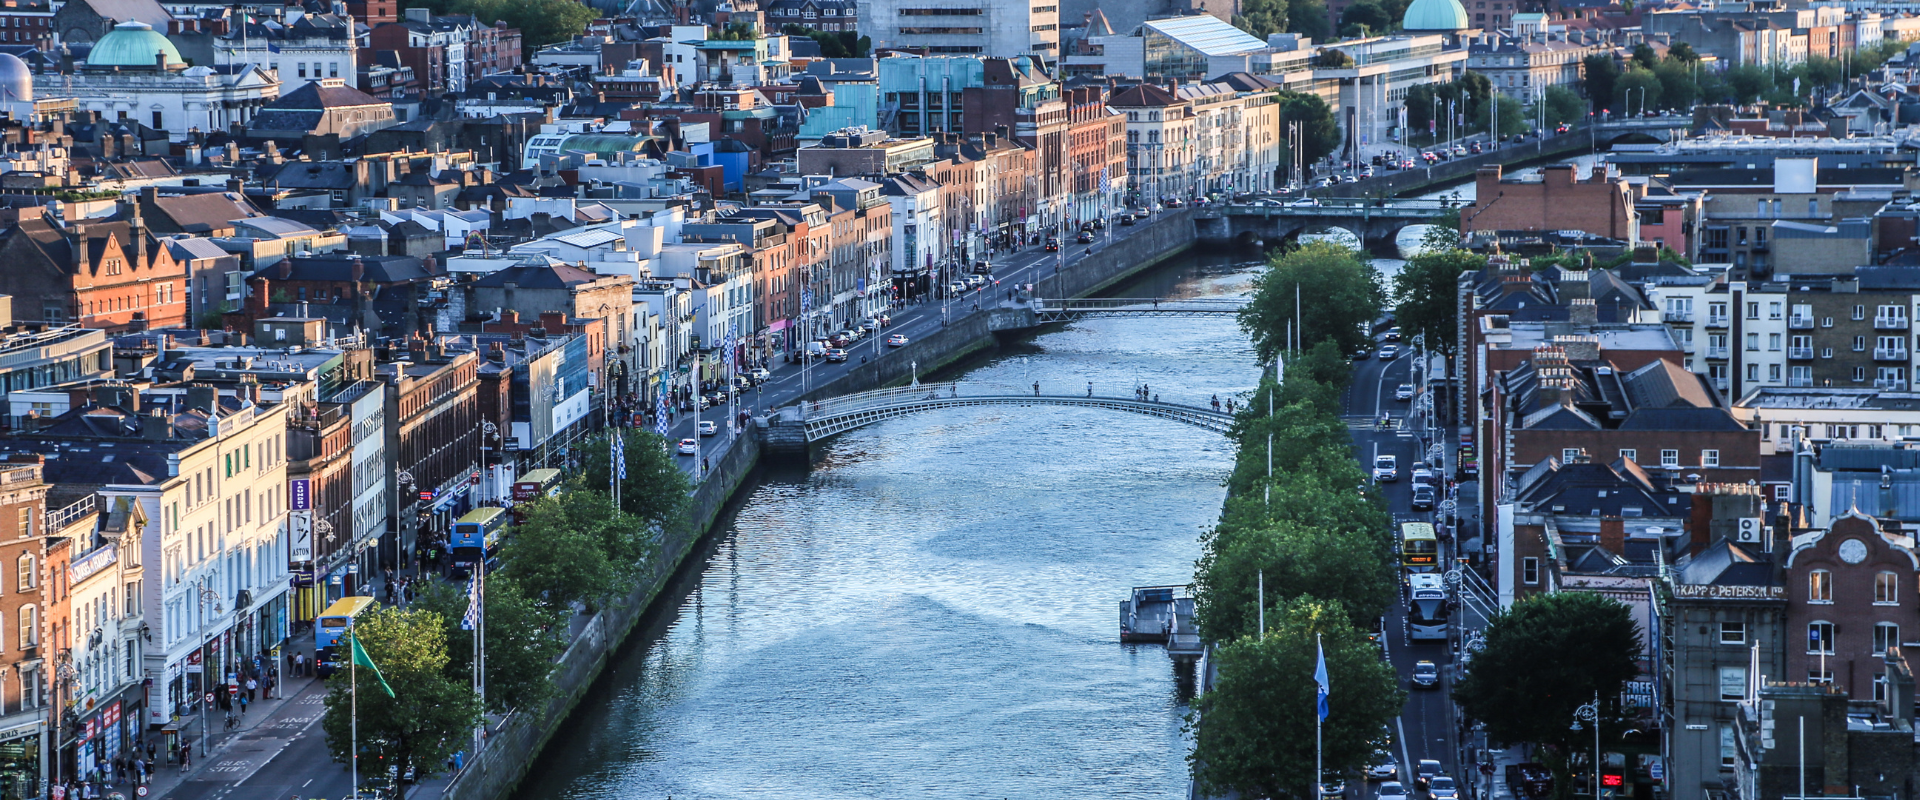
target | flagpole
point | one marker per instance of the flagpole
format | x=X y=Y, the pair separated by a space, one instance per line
x=1318 y=719
x=353 y=692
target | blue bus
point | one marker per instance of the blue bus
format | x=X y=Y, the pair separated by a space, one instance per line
x=476 y=535
x=329 y=652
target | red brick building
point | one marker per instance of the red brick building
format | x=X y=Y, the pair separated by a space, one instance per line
x=1849 y=598
x=109 y=275
x=1559 y=200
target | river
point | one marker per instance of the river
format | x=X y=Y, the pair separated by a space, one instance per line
x=929 y=610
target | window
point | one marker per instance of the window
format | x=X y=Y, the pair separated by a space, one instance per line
x=1773 y=309
x=1753 y=372
x=1733 y=683
x=1709 y=458
x=1886 y=589
x=1826 y=322
x=1569 y=455
x=1630 y=454
x=1670 y=458
x=1773 y=342
x=1820 y=586
x=1886 y=636
x=1859 y=312
x=1773 y=372
x=1859 y=374
x=1859 y=344
x=1820 y=638
x=1753 y=342
x=1753 y=310
x=26 y=522
x=1733 y=633
x=1728 y=750
x=29 y=626
x=1530 y=570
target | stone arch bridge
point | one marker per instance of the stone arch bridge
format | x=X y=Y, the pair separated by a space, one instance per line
x=1373 y=222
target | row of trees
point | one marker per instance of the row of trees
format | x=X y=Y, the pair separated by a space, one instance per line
x=1299 y=522
x=572 y=553
x=1680 y=79
x=541 y=22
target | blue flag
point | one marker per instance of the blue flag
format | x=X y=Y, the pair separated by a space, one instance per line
x=1320 y=677
x=660 y=415
x=472 y=617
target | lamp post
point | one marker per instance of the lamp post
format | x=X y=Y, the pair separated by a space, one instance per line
x=1590 y=714
x=206 y=595
x=404 y=482
x=490 y=437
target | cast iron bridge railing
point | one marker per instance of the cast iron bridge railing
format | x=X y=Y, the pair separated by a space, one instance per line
x=825 y=418
x=1069 y=310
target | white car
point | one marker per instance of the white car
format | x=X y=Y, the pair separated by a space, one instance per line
x=976 y=280
x=1382 y=767
x=897 y=340
x=689 y=446
x=1392 y=790
x=1405 y=392
x=707 y=427
x=956 y=288
x=1443 y=788
x=1386 y=469
x=759 y=376
x=1389 y=352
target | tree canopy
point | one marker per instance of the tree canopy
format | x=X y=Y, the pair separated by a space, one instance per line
x=429 y=715
x=1341 y=567
x=1338 y=294
x=1262 y=17
x=523 y=639
x=571 y=549
x=1319 y=131
x=656 y=489
x=541 y=22
x=1428 y=287
x=1253 y=732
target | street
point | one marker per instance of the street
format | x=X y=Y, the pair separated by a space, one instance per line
x=1426 y=728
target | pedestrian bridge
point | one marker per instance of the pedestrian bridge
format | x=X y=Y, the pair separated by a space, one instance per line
x=1042 y=311
x=795 y=426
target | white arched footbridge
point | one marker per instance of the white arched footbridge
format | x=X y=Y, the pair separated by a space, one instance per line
x=825 y=418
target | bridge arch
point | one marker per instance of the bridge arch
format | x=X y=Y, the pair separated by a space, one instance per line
x=814 y=421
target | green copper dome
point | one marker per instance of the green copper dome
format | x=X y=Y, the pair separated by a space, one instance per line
x=132 y=44
x=1433 y=15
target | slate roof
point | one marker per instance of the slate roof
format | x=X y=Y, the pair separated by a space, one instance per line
x=312 y=95
x=537 y=276
x=340 y=268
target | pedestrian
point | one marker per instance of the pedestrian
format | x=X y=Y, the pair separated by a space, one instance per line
x=1229 y=405
x=1216 y=402
x=243 y=704
x=1089 y=388
x=1036 y=388
x=299 y=663
x=253 y=685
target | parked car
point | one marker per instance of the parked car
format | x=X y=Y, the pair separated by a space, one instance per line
x=836 y=354
x=1362 y=354
x=897 y=340
x=707 y=427
x=1421 y=475
x=1403 y=392
x=1425 y=675
x=1386 y=469
x=689 y=447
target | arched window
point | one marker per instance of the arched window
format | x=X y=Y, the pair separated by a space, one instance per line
x=1820 y=586
x=1886 y=589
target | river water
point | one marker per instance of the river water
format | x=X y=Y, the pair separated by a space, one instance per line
x=929 y=610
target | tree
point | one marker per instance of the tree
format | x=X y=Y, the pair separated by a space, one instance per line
x=1564 y=105
x=1262 y=18
x=1330 y=58
x=541 y=22
x=428 y=716
x=1683 y=53
x=523 y=639
x=1639 y=89
x=1510 y=113
x=1319 y=130
x=1746 y=83
x=1429 y=290
x=1473 y=90
x=1644 y=57
x=1305 y=438
x=656 y=489
x=1253 y=732
x=1338 y=292
x=558 y=552
x=1309 y=18
x=1601 y=74
x=1346 y=568
x=1422 y=111
x=1545 y=657
x=1677 y=88
x=1367 y=17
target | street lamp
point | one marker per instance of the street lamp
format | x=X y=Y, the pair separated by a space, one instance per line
x=206 y=595
x=1590 y=714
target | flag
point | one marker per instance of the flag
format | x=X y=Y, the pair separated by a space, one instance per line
x=361 y=659
x=1320 y=677
x=620 y=456
x=471 y=619
x=660 y=415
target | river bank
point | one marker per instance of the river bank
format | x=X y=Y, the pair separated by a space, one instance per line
x=518 y=741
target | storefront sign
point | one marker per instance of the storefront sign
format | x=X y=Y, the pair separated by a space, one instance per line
x=300 y=493
x=1715 y=592
x=86 y=566
x=300 y=551
x=86 y=731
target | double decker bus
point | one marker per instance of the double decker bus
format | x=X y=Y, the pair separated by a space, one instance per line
x=533 y=486
x=329 y=632
x=1419 y=547
x=1426 y=607
x=476 y=534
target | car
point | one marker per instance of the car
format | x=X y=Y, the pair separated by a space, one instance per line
x=1392 y=790
x=853 y=334
x=1426 y=770
x=1421 y=475
x=1459 y=150
x=976 y=280
x=1518 y=138
x=884 y=320
x=689 y=446
x=897 y=340
x=1366 y=173
x=1362 y=354
x=1562 y=128
x=1386 y=469
x=1389 y=352
x=1332 y=787
x=1085 y=237
x=1475 y=148
x=1330 y=181
x=707 y=427
x=1425 y=675
x=1052 y=244
x=1404 y=392
x=868 y=327
x=1422 y=497
x=1172 y=202
x=1350 y=179
x=1381 y=766
x=836 y=354
x=1407 y=164
x=1393 y=334
x=1267 y=203
x=1443 y=788
x=759 y=375
x=956 y=288
x=1127 y=219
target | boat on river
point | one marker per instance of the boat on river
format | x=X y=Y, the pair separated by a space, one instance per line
x=1160 y=614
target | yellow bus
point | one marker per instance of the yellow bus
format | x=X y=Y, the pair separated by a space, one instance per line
x=328 y=653
x=1419 y=547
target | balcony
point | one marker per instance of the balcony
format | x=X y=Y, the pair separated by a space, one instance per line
x=1890 y=385
x=1716 y=352
x=1890 y=323
x=1800 y=382
x=1687 y=347
x=1717 y=320
x=1677 y=315
x=1890 y=354
x=1720 y=384
x=1800 y=323
x=1800 y=352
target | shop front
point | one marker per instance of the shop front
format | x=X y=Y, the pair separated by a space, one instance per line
x=23 y=768
x=104 y=734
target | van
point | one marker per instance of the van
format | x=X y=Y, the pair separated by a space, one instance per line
x=816 y=350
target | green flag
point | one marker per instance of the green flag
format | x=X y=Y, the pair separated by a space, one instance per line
x=361 y=659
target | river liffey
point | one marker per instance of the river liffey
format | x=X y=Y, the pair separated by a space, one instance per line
x=929 y=610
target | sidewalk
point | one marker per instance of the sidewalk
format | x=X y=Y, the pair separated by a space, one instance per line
x=298 y=703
